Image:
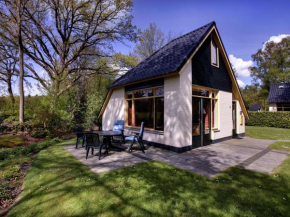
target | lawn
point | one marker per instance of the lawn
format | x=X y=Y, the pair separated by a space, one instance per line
x=284 y=146
x=14 y=163
x=268 y=133
x=59 y=185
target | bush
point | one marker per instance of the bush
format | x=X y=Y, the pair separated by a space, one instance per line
x=28 y=150
x=269 y=119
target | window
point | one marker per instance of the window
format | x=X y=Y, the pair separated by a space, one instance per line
x=214 y=54
x=209 y=94
x=146 y=105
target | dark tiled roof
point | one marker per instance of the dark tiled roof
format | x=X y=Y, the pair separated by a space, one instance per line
x=255 y=107
x=279 y=93
x=168 y=59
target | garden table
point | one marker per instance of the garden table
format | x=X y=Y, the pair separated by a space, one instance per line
x=108 y=134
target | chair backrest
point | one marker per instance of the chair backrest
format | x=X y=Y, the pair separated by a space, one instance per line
x=92 y=139
x=141 y=131
x=79 y=129
x=118 y=125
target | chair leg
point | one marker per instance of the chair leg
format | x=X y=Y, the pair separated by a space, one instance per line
x=77 y=143
x=131 y=146
x=100 y=152
x=88 y=149
x=92 y=151
x=83 y=142
x=141 y=146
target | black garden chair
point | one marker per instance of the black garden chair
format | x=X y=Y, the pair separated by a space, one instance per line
x=92 y=142
x=80 y=136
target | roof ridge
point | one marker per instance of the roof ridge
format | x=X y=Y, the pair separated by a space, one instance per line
x=132 y=70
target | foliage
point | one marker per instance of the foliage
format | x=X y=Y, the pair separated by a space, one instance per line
x=251 y=96
x=272 y=65
x=284 y=146
x=56 y=179
x=269 y=119
x=268 y=133
x=11 y=141
x=74 y=38
x=26 y=150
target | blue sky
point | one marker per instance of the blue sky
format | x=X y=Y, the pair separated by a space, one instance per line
x=243 y=25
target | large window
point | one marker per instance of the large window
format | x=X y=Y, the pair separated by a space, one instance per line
x=213 y=96
x=146 y=106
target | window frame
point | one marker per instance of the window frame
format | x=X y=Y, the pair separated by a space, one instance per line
x=212 y=44
x=133 y=98
x=213 y=100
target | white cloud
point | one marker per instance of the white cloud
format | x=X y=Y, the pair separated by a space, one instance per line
x=275 y=39
x=241 y=83
x=241 y=66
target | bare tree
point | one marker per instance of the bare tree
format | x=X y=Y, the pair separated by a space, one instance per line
x=58 y=33
x=151 y=40
x=12 y=18
x=8 y=67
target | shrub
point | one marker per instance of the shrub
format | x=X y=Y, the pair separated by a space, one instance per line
x=269 y=119
x=26 y=150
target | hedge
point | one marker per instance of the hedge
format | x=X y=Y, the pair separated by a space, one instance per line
x=269 y=119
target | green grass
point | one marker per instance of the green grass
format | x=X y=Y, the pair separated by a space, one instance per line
x=11 y=141
x=57 y=184
x=284 y=146
x=12 y=168
x=268 y=133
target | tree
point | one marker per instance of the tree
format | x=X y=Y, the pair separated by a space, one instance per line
x=151 y=40
x=68 y=32
x=12 y=18
x=251 y=95
x=272 y=65
x=8 y=67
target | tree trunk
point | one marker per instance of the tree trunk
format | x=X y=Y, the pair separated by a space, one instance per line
x=9 y=83
x=21 y=68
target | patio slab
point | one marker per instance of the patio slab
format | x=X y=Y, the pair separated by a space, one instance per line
x=210 y=160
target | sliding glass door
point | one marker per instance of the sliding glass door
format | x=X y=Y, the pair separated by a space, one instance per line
x=201 y=121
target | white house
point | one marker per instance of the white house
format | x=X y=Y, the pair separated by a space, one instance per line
x=186 y=93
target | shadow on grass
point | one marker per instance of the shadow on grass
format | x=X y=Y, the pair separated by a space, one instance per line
x=59 y=185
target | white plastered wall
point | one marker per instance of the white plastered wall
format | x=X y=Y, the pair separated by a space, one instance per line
x=177 y=111
x=240 y=119
x=114 y=110
x=272 y=107
x=225 y=124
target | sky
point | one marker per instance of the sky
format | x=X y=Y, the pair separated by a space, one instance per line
x=243 y=25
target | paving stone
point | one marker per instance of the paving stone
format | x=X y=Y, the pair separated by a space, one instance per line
x=208 y=161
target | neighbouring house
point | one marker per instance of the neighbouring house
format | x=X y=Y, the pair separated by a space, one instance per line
x=255 y=108
x=279 y=97
x=186 y=93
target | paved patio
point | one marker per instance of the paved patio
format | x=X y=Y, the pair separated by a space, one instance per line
x=210 y=160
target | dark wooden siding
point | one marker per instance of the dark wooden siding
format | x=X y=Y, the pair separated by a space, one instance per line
x=207 y=75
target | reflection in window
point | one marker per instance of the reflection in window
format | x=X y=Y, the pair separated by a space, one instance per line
x=159 y=113
x=144 y=111
x=143 y=93
x=200 y=92
x=146 y=106
x=214 y=53
x=130 y=112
